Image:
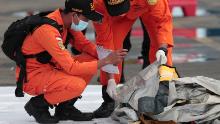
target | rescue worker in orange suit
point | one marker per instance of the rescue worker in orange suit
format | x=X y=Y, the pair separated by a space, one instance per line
x=116 y=24
x=61 y=81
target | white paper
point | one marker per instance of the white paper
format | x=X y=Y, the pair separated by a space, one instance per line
x=110 y=68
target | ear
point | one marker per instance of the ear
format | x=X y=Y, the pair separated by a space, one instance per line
x=74 y=18
x=72 y=13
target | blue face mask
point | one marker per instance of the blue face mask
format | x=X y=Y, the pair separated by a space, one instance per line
x=80 y=26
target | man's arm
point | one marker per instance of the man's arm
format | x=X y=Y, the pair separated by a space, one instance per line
x=103 y=30
x=51 y=41
x=159 y=23
x=104 y=33
x=82 y=44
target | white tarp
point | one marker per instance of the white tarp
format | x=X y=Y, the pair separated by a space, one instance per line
x=188 y=99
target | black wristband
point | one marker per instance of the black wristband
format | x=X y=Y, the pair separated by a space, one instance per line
x=164 y=49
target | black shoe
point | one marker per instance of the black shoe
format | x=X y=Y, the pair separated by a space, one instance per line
x=105 y=110
x=107 y=107
x=38 y=108
x=66 y=111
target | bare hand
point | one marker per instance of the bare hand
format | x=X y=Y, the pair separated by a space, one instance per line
x=116 y=56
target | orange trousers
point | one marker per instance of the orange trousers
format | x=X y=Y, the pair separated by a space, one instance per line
x=58 y=86
x=120 y=28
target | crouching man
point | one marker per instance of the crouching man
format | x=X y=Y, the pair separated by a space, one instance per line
x=62 y=80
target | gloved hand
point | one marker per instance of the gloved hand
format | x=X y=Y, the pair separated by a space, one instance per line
x=161 y=55
x=111 y=89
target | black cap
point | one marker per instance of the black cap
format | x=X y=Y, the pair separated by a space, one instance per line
x=117 y=7
x=85 y=7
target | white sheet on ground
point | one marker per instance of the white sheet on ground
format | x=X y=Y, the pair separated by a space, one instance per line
x=12 y=108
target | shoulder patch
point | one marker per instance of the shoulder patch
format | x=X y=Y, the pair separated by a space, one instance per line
x=60 y=44
x=152 y=2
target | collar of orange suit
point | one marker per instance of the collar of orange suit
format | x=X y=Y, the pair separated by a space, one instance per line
x=56 y=15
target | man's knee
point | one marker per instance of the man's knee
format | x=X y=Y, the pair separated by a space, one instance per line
x=76 y=86
x=66 y=90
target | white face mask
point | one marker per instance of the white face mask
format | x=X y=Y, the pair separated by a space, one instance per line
x=80 y=26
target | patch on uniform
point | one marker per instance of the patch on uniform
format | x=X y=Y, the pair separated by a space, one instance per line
x=60 y=44
x=151 y=2
x=59 y=39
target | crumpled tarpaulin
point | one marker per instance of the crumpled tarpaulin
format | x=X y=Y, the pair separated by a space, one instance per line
x=181 y=100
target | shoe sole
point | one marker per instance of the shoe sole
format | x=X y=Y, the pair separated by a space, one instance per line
x=62 y=118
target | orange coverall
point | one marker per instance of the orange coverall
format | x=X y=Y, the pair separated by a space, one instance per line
x=157 y=20
x=70 y=75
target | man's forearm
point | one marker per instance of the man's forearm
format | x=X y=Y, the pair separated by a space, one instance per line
x=103 y=62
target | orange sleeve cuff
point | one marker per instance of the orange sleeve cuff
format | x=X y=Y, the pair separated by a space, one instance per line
x=164 y=40
x=93 y=67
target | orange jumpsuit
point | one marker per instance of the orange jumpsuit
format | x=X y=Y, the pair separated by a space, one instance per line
x=156 y=17
x=70 y=75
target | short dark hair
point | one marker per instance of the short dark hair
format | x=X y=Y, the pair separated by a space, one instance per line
x=65 y=11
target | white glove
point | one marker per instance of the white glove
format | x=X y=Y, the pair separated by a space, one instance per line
x=111 y=89
x=161 y=57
